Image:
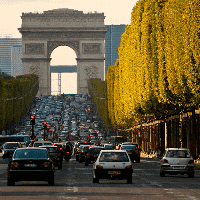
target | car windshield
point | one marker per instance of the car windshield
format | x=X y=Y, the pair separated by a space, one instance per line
x=30 y=153
x=113 y=157
x=127 y=147
x=11 y=146
x=178 y=154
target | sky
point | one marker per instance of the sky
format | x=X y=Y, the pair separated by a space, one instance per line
x=115 y=12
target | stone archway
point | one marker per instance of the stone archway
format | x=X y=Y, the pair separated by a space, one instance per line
x=84 y=33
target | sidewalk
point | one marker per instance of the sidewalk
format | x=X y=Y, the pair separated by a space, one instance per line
x=153 y=156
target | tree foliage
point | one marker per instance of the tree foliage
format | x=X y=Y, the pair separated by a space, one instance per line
x=158 y=70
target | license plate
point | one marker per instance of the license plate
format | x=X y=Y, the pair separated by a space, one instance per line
x=30 y=165
x=114 y=172
x=178 y=167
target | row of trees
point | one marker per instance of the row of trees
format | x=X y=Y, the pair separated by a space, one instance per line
x=158 y=70
x=98 y=92
x=16 y=94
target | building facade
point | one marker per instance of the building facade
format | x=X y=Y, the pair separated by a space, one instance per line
x=6 y=49
x=16 y=62
x=112 y=42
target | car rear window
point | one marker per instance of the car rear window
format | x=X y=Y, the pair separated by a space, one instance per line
x=47 y=143
x=37 y=144
x=178 y=154
x=51 y=149
x=11 y=145
x=30 y=153
x=96 y=150
x=127 y=147
x=113 y=157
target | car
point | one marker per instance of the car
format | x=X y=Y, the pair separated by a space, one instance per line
x=56 y=155
x=92 y=154
x=113 y=164
x=76 y=146
x=83 y=149
x=8 y=149
x=132 y=151
x=30 y=164
x=177 y=161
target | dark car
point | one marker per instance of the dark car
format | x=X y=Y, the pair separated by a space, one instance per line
x=92 y=154
x=83 y=149
x=132 y=151
x=56 y=155
x=76 y=146
x=8 y=149
x=31 y=164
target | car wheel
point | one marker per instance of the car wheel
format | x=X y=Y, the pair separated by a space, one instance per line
x=137 y=160
x=86 y=163
x=66 y=158
x=77 y=158
x=60 y=166
x=80 y=160
x=162 y=174
x=191 y=175
x=129 y=179
x=51 y=180
x=95 y=180
x=10 y=182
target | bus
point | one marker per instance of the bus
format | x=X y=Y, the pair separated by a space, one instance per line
x=13 y=138
x=118 y=139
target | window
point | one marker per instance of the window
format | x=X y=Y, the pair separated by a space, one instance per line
x=114 y=157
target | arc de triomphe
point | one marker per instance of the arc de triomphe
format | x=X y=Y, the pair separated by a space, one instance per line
x=43 y=32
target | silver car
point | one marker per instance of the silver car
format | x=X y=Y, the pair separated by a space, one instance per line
x=177 y=161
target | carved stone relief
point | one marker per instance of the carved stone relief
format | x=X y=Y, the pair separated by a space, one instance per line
x=35 y=48
x=91 y=48
x=91 y=72
x=51 y=45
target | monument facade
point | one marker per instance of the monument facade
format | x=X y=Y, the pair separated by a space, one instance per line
x=84 y=33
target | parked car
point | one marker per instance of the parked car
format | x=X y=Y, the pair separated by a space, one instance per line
x=56 y=155
x=92 y=154
x=177 y=161
x=30 y=164
x=8 y=149
x=112 y=164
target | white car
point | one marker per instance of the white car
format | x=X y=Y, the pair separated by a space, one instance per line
x=177 y=161
x=112 y=164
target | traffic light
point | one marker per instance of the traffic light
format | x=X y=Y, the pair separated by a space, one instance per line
x=44 y=125
x=32 y=120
